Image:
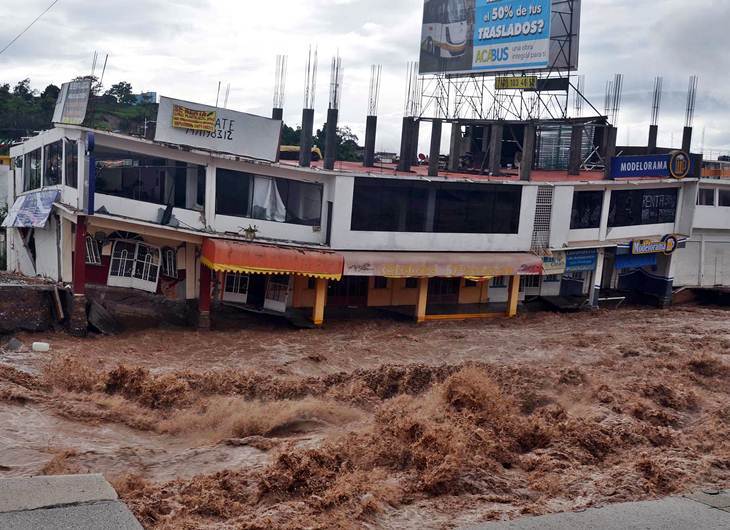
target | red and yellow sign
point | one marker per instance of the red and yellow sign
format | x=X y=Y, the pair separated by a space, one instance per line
x=197 y=120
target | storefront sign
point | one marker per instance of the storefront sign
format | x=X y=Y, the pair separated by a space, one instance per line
x=554 y=264
x=630 y=261
x=581 y=260
x=232 y=132
x=31 y=210
x=675 y=165
x=667 y=246
x=516 y=83
x=197 y=120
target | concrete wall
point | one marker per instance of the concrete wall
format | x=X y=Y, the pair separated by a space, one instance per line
x=705 y=262
x=48 y=246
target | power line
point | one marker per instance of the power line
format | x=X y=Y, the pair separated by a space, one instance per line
x=29 y=26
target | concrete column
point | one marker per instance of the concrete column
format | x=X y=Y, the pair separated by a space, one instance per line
x=435 y=151
x=576 y=150
x=686 y=139
x=278 y=114
x=606 y=209
x=653 y=134
x=371 y=126
x=210 y=196
x=415 y=134
x=609 y=147
x=204 y=298
x=495 y=148
x=67 y=245
x=513 y=295
x=190 y=272
x=405 y=145
x=528 y=152
x=455 y=151
x=79 y=272
x=597 y=279
x=305 y=143
x=422 y=300
x=330 y=142
x=320 y=300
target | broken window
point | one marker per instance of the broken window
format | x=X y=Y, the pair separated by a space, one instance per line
x=32 y=170
x=169 y=262
x=53 y=158
x=135 y=265
x=93 y=253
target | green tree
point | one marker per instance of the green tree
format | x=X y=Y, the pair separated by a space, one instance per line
x=348 y=149
x=122 y=91
x=290 y=136
x=23 y=90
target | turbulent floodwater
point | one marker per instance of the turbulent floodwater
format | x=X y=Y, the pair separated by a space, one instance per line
x=379 y=424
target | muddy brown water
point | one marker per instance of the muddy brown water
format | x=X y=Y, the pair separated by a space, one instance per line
x=606 y=347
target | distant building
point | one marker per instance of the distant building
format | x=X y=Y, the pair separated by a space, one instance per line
x=145 y=98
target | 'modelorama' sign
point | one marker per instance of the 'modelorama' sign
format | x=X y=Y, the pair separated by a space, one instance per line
x=675 y=165
x=219 y=130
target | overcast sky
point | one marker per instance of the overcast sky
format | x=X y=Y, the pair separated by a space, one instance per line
x=182 y=48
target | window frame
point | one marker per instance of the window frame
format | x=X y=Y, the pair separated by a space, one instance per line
x=168 y=263
x=594 y=221
x=235 y=287
x=720 y=193
x=49 y=150
x=70 y=163
x=135 y=279
x=29 y=179
x=93 y=251
x=631 y=209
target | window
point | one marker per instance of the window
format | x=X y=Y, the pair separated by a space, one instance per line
x=411 y=283
x=311 y=283
x=381 y=282
x=642 y=207
x=587 y=208
x=552 y=278
x=53 y=157
x=93 y=255
x=270 y=199
x=135 y=265
x=277 y=293
x=235 y=288
x=498 y=282
x=32 y=170
x=530 y=282
x=410 y=206
x=724 y=198
x=72 y=163
x=169 y=262
x=471 y=283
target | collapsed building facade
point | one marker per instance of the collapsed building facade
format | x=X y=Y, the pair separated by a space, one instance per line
x=115 y=213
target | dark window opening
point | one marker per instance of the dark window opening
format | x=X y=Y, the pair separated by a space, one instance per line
x=311 y=283
x=72 y=163
x=267 y=198
x=706 y=197
x=642 y=207
x=148 y=179
x=382 y=206
x=471 y=283
x=587 y=209
x=380 y=282
x=53 y=157
x=32 y=170
x=411 y=283
x=724 y=198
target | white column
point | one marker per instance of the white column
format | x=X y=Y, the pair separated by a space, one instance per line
x=210 y=196
x=67 y=245
x=83 y=172
x=604 y=215
x=597 y=278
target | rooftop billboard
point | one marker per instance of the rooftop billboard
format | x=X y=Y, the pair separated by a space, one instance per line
x=216 y=129
x=491 y=36
x=72 y=102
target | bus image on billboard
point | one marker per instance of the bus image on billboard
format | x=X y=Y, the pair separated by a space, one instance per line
x=483 y=36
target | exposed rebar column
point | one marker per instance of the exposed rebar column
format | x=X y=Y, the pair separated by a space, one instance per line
x=405 y=144
x=687 y=139
x=371 y=126
x=576 y=150
x=371 y=122
x=455 y=147
x=435 y=151
x=609 y=147
x=310 y=85
x=528 y=152
x=305 y=142
x=330 y=139
x=495 y=148
x=653 y=135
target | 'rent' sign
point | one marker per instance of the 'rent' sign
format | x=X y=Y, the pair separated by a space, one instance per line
x=197 y=120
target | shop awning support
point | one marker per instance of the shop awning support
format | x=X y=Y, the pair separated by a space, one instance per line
x=320 y=300
x=513 y=295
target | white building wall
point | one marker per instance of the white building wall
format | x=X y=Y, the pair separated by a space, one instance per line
x=48 y=246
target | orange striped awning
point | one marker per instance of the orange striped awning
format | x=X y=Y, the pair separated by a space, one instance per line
x=251 y=258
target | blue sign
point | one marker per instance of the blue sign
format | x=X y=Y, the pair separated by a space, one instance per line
x=675 y=165
x=581 y=260
x=511 y=34
x=634 y=261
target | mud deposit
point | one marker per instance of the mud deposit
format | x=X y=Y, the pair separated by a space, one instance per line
x=380 y=424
